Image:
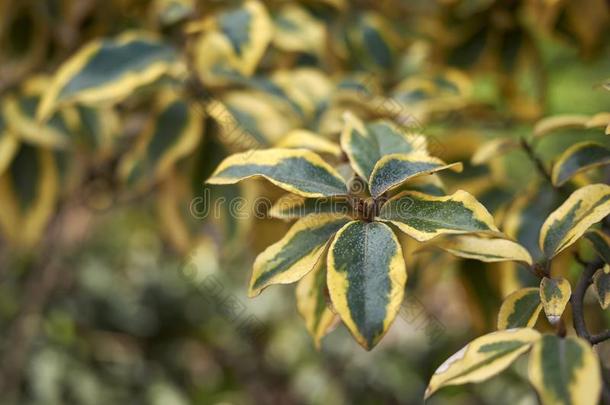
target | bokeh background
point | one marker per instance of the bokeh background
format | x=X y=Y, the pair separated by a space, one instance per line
x=131 y=294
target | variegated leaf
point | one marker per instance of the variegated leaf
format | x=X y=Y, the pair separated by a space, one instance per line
x=484 y=249
x=601 y=243
x=366 y=144
x=559 y=122
x=492 y=149
x=372 y=41
x=520 y=309
x=8 y=145
x=303 y=139
x=565 y=225
x=565 y=371
x=482 y=358
x=578 y=158
x=366 y=279
x=313 y=302
x=172 y=132
x=108 y=70
x=296 y=254
x=423 y=217
x=233 y=41
x=29 y=189
x=393 y=170
x=431 y=185
x=600 y=120
x=293 y=206
x=525 y=217
x=298 y=171
x=296 y=30
x=250 y=120
x=601 y=284
x=20 y=113
x=554 y=294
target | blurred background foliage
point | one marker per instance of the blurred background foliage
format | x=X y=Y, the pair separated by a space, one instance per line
x=115 y=285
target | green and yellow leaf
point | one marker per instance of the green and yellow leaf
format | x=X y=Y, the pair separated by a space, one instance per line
x=251 y=120
x=482 y=358
x=431 y=185
x=578 y=158
x=393 y=170
x=565 y=371
x=366 y=144
x=298 y=171
x=20 y=114
x=296 y=254
x=601 y=284
x=520 y=309
x=296 y=30
x=312 y=303
x=8 y=146
x=600 y=120
x=109 y=70
x=423 y=217
x=232 y=42
x=554 y=294
x=29 y=189
x=303 y=139
x=601 y=243
x=484 y=249
x=172 y=132
x=292 y=206
x=565 y=225
x=366 y=279
x=169 y=12
x=492 y=149
x=559 y=122
x=372 y=41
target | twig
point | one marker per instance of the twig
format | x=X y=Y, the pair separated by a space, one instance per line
x=586 y=278
x=600 y=337
x=536 y=160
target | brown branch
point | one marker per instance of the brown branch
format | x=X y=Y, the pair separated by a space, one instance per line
x=600 y=337
x=535 y=160
x=577 y=301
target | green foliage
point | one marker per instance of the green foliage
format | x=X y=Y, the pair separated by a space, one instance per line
x=396 y=132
